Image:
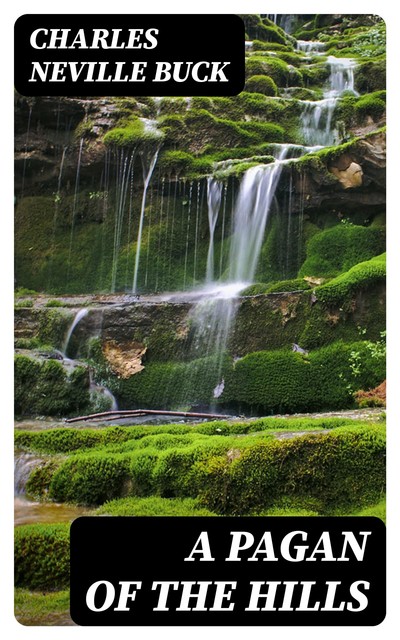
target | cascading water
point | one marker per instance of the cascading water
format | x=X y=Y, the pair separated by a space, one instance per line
x=250 y=216
x=148 y=169
x=214 y=192
x=78 y=317
x=310 y=46
x=316 y=118
x=24 y=464
x=213 y=315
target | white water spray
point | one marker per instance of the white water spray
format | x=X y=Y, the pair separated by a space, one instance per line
x=81 y=314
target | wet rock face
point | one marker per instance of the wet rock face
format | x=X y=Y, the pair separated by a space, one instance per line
x=44 y=126
x=140 y=333
x=351 y=180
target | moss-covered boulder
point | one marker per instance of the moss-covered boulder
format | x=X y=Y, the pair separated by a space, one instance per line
x=261 y=84
x=42 y=556
x=44 y=387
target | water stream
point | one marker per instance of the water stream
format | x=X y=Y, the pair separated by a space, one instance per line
x=316 y=118
x=78 y=317
x=213 y=313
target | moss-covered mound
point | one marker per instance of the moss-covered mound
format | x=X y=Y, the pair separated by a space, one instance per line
x=193 y=465
x=45 y=388
x=42 y=556
x=329 y=470
x=285 y=381
x=336 y=250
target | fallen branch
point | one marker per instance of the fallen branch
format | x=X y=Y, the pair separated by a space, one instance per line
x=111 y=415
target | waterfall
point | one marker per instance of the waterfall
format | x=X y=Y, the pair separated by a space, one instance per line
x=316 y=118
x=81 y=314
x=213 y=316
x=308 y=46
x=24 y=464
x=146 y=181
x=102 y=397
x=214 y=192
x=253 y=204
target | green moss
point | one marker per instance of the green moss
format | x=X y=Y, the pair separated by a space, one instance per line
x=89 y=479
x=264 y=30
x=359 y=277
x=262 y=84
x=124 y=439
x=338 y=470
x=37 y=486
x=27 y=343
x=352 y=111
x=132 y=133
x=219 y=130
x=22 y=292
x=339 y=248
x=44 y=388
x=84 y=129
x=47 y=264
x=170 y=384
x=377 y=510
x=176 y=162
x=172 y=106
x=294 y=284
x=315 y=75
x=23 y=304
x=370 y=105
x=42 y=556
x=41 y=609
x=370 y=76
x=275 y=68
x=154 y=506
x=285 y=381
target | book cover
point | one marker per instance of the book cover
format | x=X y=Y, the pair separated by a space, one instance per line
x=200 y=320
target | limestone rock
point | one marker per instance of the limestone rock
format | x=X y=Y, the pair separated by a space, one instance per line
x=349 y=177
x=124 y=359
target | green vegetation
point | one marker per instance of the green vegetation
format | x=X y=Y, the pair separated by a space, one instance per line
x=289 y=382
x=154 y=506
x=173 y=465
x=359 y=277
x=370 y=76
x=339 y=248
x=44 y=388
x=319 y=285
x=133 y=133
x=296 y=284
x=42 y=556
x=264 y=30
x=262 y=84
x=70 y=440
x=41 y=609
x=373 y=104
x=335 y=470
